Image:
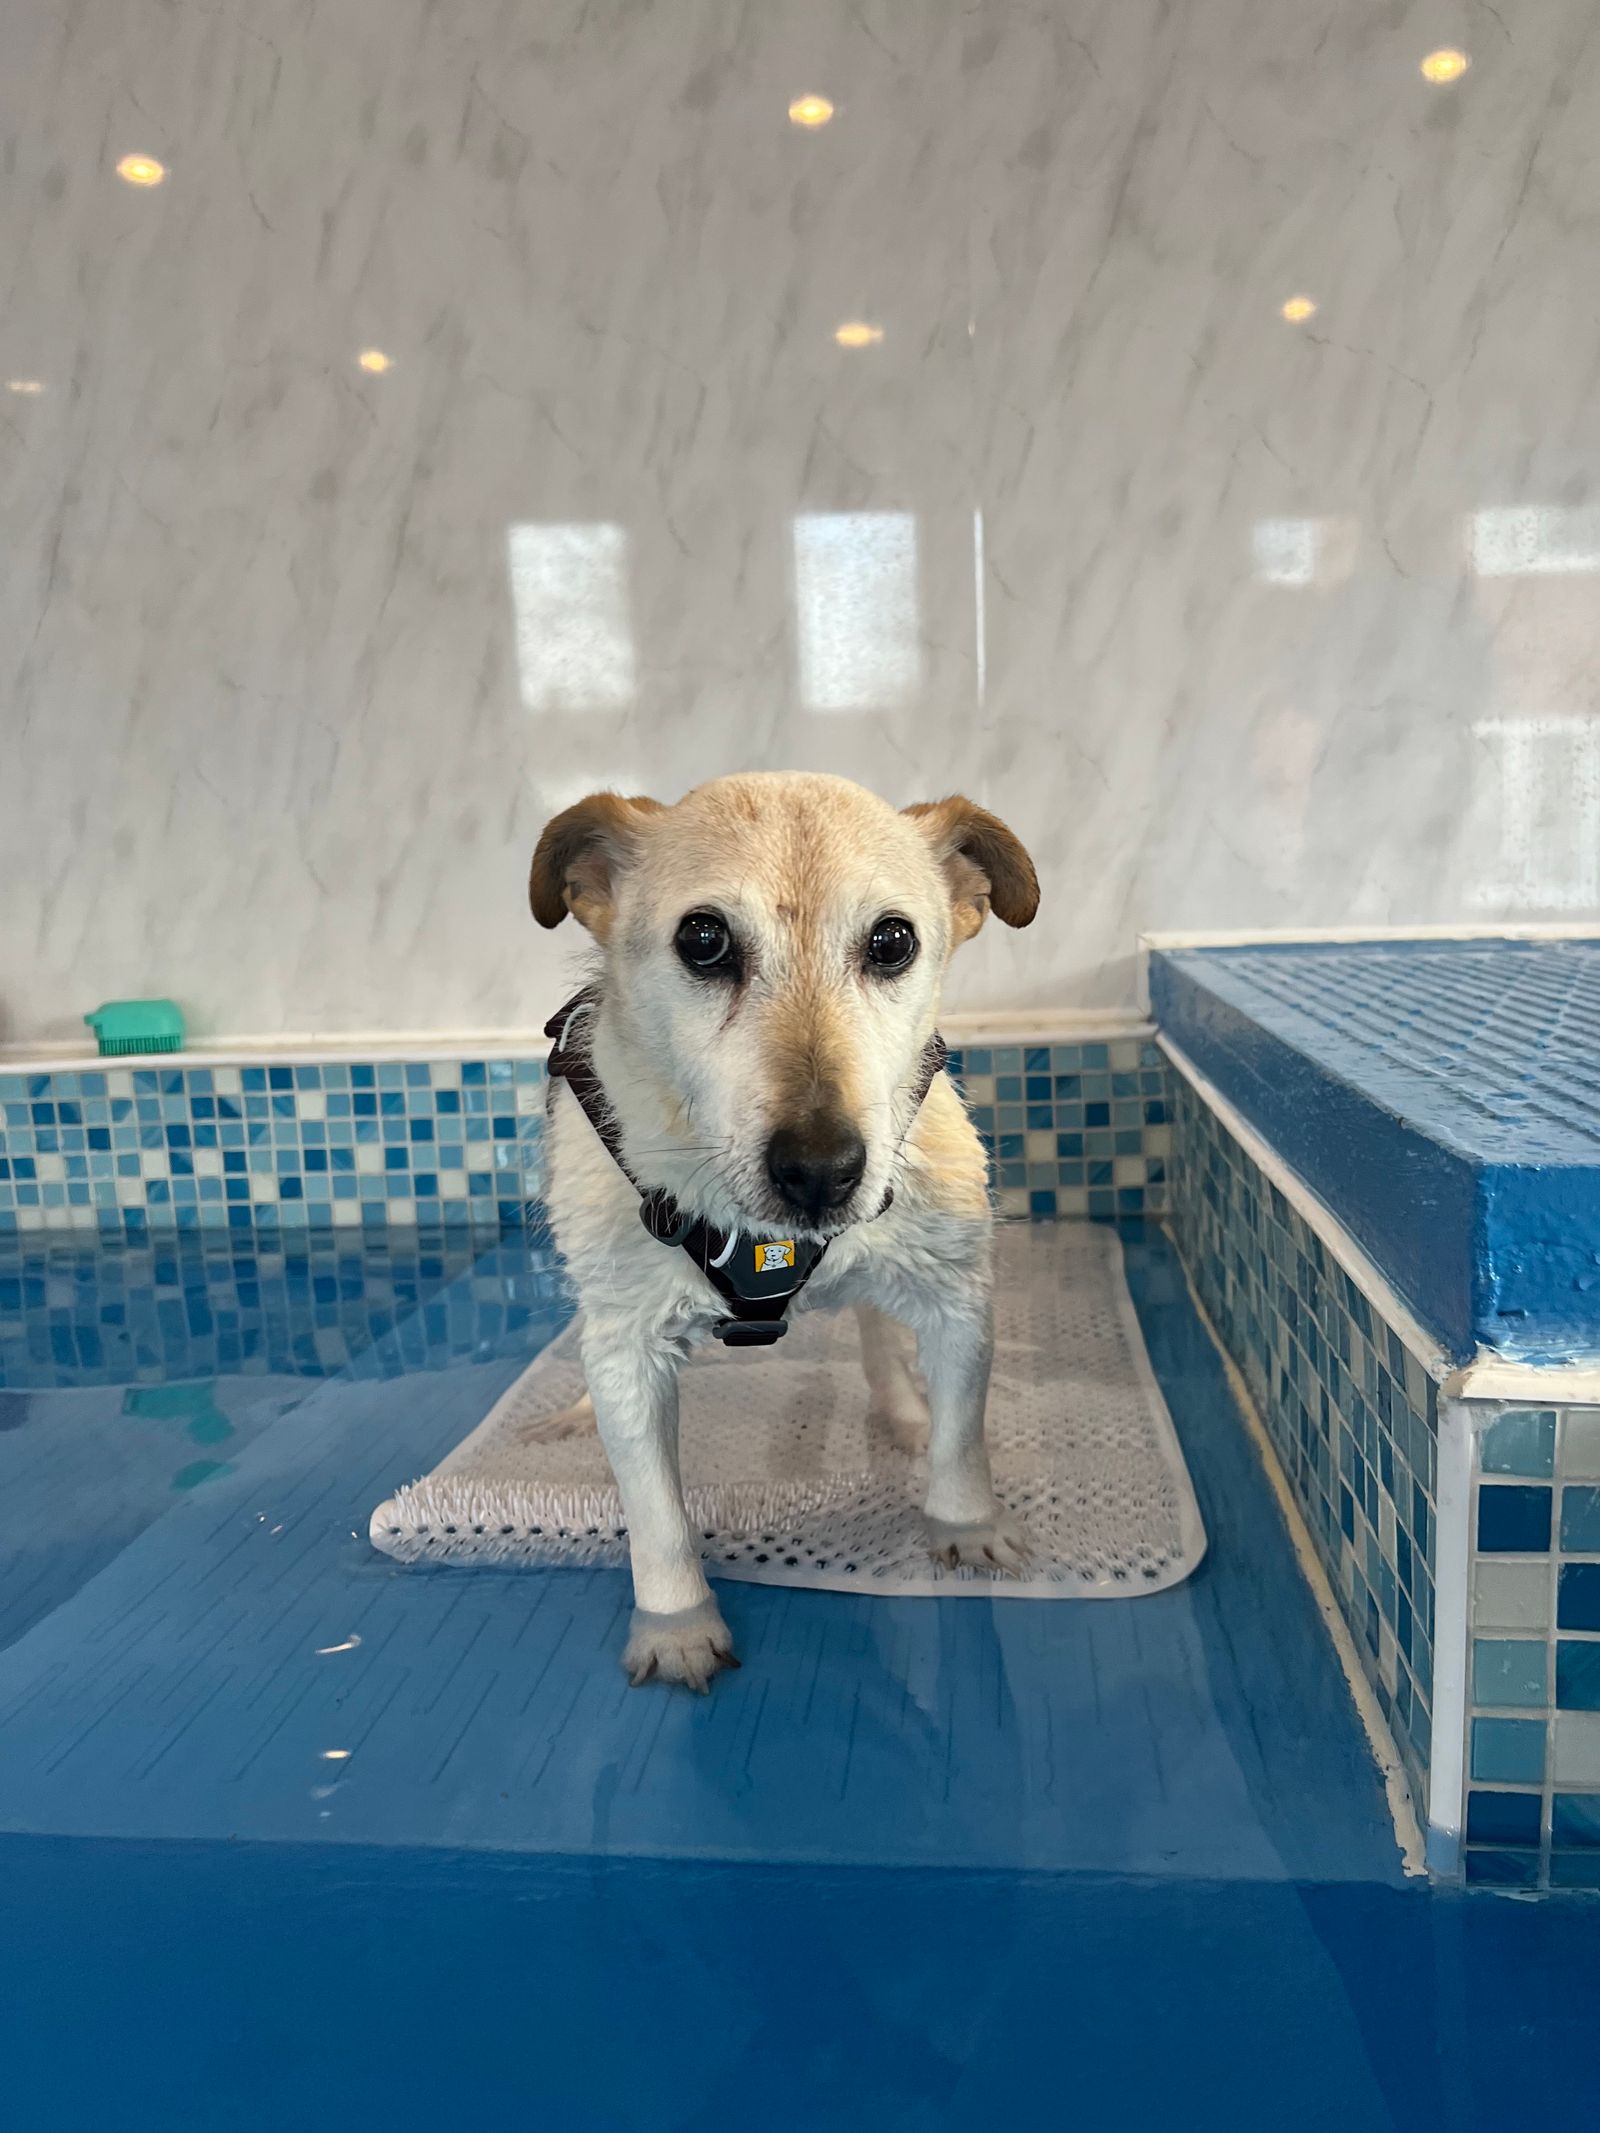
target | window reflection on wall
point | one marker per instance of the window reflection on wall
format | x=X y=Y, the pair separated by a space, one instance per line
x=1302 y=551
x=1542 y=795
x=856 y=609
x=569 y=588
x=1535 y=540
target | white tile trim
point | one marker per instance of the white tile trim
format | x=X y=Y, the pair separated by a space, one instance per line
x=1452 y=1574
x=1061 y=1026
x=1494 y=1377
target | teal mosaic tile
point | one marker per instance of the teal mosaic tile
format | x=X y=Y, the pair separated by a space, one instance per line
x=1521 y=1441
x=1509 y=1751
x=1510 y=1671
x=1352 y=1415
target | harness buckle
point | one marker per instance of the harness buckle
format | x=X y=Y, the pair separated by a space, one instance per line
x=750 y=1333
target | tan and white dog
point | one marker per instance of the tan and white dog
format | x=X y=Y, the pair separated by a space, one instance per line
x=772 y=953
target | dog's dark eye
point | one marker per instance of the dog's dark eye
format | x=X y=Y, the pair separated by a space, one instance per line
x=892 y=945
x=704 y=943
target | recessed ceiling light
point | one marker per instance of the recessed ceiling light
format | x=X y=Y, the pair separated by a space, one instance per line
x=375 y=361
x=1446 y=64
x=856 y=333
x=141 y=170
x=1298 y=309
x=31 y=387
x=810 y=111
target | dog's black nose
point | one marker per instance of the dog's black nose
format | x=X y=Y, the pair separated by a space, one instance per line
x=816 y=1166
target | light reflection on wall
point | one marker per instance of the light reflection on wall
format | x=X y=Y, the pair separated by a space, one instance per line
x=856 y=609
x=1541 y=779
x=1299 y=552
x=569 y=588
x=1535 y=540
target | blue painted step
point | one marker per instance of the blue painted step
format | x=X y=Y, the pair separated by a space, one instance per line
x=1443 y=1099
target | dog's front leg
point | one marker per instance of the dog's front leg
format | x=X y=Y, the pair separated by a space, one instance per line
x=677 y=1633
x=966 y=1523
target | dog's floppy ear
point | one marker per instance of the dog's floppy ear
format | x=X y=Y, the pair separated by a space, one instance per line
x=579 y=855
x=984 y=863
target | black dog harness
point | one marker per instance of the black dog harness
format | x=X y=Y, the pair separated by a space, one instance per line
x=757 y=1278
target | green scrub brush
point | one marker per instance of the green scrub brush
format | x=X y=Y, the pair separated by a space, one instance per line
x=124 y=1026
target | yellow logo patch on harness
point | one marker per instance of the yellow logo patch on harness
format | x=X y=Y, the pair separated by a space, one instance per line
x=769 y=1257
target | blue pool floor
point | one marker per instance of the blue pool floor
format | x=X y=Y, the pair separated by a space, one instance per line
x=918 y=1862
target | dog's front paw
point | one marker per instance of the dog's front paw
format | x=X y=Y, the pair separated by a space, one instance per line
x=689 y=1647
x=994 y=1543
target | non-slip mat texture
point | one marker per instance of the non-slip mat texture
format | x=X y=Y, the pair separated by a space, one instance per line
x=790 y=1481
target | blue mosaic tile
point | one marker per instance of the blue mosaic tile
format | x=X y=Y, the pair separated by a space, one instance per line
x=1508 y=1751
x=1514 y=1520
x=1580 y=1520
x=1507 y=1818
x=1028 y=1108
x=481 y=1120
x=162 y=1159
x=1341 y=1398
x=1575 y=1819
x=1577 y=1675
x=1578 y=1596
x=1502 y=1870
x=1353 y=1419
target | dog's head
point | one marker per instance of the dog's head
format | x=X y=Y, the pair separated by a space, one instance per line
x=775 y=947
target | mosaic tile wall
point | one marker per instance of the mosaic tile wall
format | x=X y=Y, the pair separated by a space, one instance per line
x=1352 y=1415
x=209 y=1305
x=1071 y=1129
x=137 y=1150
x=1533 y=1726
x=146 y=1148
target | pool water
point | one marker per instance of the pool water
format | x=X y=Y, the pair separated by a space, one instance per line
x=134 y=1375
x=292 y=1832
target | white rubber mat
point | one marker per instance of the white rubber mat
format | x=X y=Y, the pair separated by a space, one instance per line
x=791 y=1482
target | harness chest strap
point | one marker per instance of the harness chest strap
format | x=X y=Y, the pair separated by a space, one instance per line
x=757 y=1279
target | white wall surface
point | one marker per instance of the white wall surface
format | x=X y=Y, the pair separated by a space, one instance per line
x=1242 y=622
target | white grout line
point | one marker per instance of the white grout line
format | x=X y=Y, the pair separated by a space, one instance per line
x=1384 y=1298
x=1397 y=1789
x=1452 y=1573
